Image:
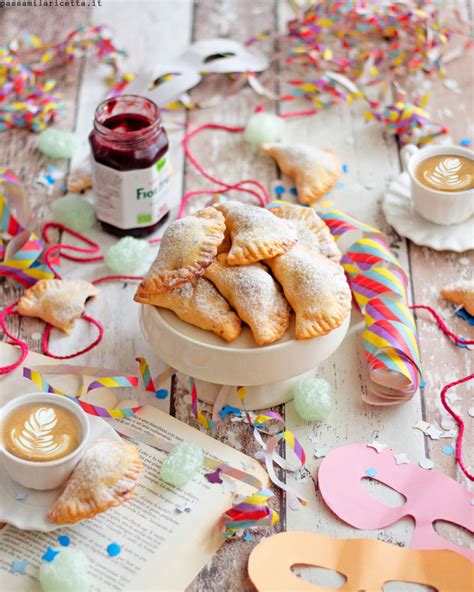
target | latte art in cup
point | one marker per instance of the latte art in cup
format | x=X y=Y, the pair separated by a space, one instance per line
x=446 y=172
x=41 y=432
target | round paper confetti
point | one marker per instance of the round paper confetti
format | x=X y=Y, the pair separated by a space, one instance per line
x=370 y=472
x=64 y=540
x=448 y=449
x=113 y=550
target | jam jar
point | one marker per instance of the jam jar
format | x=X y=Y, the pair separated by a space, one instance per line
x=131 y=172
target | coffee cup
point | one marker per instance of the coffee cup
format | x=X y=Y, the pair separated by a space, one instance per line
x=45 y=474
x=450 y=203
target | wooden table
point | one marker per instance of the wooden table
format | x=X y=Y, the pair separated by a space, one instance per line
x=154 y=31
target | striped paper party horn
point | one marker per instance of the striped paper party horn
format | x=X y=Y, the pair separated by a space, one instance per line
x=37 y=376
x=340 y=223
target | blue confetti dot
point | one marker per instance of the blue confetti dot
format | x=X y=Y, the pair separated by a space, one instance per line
x=339 y=185
x=279 y=189
x=49 y=554
x=423 y=384
x=113 y=550
x=465 y=142
x=293 y=191
x=18 y=566
x=64 y=540
x=248 y=536
x=370 y=472
x=345 y=168
x=161 y=394
x=448 y=449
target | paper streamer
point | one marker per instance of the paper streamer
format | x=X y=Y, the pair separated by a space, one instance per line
x=379 y=287
x=103 y=378
x=149 y=382
x=21 y=258
x=268 y=423
x=253 y=511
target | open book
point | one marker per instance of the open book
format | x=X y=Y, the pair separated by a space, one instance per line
x=166 y=535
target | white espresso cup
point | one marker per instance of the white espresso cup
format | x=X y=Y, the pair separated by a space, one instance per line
x=441 y=207
x=48 y=474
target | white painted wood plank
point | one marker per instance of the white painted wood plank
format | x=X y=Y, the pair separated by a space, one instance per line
x=371 y=161
x=150 y=31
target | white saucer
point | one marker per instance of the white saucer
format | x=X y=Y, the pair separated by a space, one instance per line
x=400 y=213
x=30 y=514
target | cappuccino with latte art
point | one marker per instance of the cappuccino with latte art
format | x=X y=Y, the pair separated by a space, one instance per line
x=41 y=432
x=446 y=172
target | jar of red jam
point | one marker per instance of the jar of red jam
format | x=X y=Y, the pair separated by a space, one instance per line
x=131 y=171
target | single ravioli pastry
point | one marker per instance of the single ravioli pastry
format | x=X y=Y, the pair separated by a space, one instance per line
x=316 y=288
x=58 y=302
x=313 y=170
x=312 y=232
x=255 y=233
x=106 y=476
x=462 y=293
x=255 y=295
x=200 y=304
x=188 y=246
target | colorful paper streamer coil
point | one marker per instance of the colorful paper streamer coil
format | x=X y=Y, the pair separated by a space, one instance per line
x=21 y=258
x=379 y=287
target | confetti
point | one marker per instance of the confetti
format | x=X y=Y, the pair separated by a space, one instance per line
x=370 y=472
x=320 y=452
x=433 y=432
x=422 y=426
x=49 y=554
x=448 y=449
x=360 y=50
x=377 y=446
x=345 y=168
x=248 y=536
x=49 y=177
x=465 y=142
x=401 y=459
x=113 y=550
x=27 y=97
x=64 y=540
x=426 y=463
x=214 y=477
x=228 y=409
x=19 y=566
x=20 y=496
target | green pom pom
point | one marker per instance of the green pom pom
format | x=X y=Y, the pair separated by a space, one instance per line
x=263 y=128
x=58 y=143
x=182 y=464
x=74 y=211
x=68 y=572
x=312 y=398
x=129 y=255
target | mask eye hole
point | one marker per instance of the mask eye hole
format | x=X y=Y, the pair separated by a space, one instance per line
x=383 y=493
x=396 y=586
x=328 y=579
x=454 y=533
x=163 y=78
x=219 y=56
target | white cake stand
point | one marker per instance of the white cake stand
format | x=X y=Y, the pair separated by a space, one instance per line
x=268 y=372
